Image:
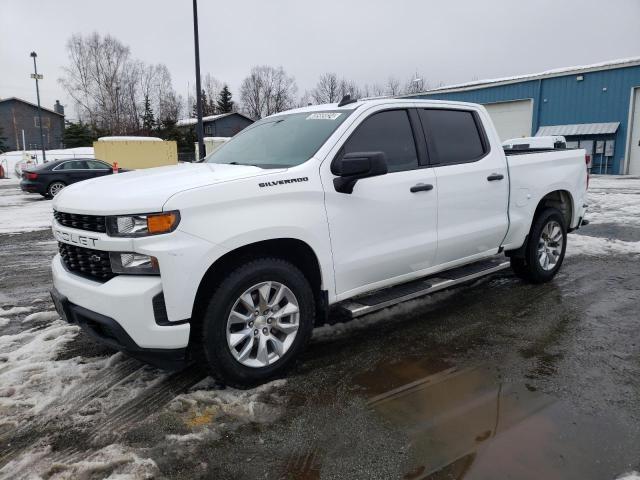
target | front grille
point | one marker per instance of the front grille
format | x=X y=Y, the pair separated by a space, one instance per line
x=92 y=223
x=93 y=264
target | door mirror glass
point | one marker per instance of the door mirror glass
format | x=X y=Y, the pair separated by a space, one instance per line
x=353 y=166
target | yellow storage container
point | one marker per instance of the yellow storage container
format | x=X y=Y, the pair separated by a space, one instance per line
x=134 y=153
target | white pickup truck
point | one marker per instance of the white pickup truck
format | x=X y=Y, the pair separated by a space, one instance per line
x=354 y=206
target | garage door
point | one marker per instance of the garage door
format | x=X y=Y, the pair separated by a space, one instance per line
x=512 y=119
x=634 y=148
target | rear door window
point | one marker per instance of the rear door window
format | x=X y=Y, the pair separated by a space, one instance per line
x=73 y=165
x=389 y=132
x=453 y=136
x=95 y=165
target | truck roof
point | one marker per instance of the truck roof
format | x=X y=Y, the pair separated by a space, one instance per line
x=367 y=102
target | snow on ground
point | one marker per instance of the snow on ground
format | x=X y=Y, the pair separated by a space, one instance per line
x=113 y=462
x=31 y=380
x=629 y=476
x=598 y=246
x=614 y=199
x=611 y=200
x=23 y=212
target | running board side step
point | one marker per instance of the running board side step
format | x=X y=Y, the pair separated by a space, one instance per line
x=372 y=302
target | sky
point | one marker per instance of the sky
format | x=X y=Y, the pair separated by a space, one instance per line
x=363 y=40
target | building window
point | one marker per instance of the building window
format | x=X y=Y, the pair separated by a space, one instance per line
x=46 y=122
x=208 y=129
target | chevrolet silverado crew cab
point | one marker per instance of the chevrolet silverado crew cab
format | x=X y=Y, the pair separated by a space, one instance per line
x=355 y=206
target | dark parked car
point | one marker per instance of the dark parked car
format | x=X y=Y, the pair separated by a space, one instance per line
x=49 y=178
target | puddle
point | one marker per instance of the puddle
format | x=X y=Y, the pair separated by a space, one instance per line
x=467 y=424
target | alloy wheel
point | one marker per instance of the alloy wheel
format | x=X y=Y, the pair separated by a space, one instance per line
x=550 y=245
x=263 y=324
x=55 y=188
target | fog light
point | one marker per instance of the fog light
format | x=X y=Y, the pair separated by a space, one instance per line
x=134 y=263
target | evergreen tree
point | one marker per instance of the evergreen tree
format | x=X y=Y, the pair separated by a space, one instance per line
x=208 y=106
x=224 y=103
x=211 y=108
x=168 y=130
x=3 y=146
x=78 y=135
x=148 y=120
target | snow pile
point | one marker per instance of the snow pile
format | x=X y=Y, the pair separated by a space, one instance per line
x=208 y=411
x=598 y=246
x=114 y=462
x=14 y=311
x=629 y=476
x=41 y=316
x=20 y=212
x=30 y=379
x=36 y=385
x=129 y=139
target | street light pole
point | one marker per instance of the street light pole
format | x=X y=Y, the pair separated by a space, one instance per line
x=199 y=127
x=39 y=77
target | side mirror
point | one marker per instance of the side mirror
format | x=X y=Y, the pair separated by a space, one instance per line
x=351 y=167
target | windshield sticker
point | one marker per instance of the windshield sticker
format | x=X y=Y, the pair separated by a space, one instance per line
x=323 y=116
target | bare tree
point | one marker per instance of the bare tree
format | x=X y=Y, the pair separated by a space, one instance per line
x=349 y=87
x=327 y=90
x=167 y=102
x=393 y=86
x=415 y=84
x=377 y=90
x=109 y=87
x=306 y=99
x=267 y=90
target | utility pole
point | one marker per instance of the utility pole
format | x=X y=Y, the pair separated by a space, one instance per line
x=199 y=128
x=39 y=77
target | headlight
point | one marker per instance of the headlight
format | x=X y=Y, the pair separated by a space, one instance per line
x=142 y=225
x=134 y=263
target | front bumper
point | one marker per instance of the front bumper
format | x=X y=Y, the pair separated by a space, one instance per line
x=124 y=304
x=109 y=332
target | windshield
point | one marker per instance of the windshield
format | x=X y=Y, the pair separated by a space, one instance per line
x=281 y=141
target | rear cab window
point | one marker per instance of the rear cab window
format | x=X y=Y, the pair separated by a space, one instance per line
x=453 y=136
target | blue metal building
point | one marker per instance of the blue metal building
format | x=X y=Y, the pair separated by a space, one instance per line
x=596 y=107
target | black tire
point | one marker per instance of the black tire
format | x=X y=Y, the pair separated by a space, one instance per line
x=54 y=188
x=222 y=364
x=529 y=268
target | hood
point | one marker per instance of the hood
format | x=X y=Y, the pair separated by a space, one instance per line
x=146 y=190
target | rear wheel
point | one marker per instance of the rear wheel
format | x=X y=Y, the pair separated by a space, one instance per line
x=55 y=188
x=545 y=248
x=257 y=322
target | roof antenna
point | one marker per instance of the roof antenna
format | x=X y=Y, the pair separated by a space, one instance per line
x=346 y=100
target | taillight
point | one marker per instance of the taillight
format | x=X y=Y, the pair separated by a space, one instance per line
x=31 y=176
x=587 y=160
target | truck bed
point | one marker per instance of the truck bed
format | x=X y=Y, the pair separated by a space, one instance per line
x=535 y=173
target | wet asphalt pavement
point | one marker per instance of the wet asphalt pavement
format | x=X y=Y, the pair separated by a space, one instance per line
x=498 y=379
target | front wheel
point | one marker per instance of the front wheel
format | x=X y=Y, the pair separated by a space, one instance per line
x=545 y=248
x=257 y=322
